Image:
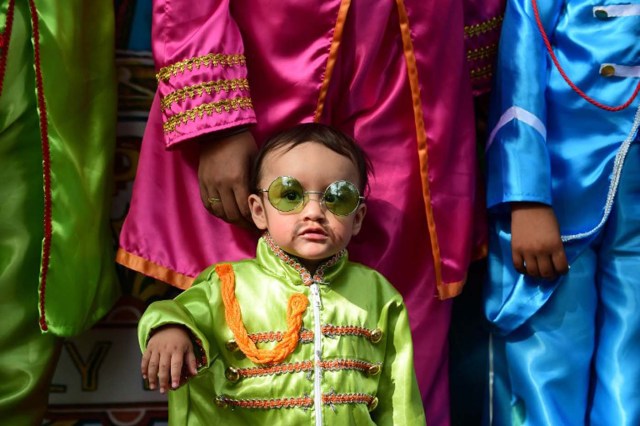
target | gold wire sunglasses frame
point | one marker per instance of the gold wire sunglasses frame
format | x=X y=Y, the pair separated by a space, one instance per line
x=287 y=195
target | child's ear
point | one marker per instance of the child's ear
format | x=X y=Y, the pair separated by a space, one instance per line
x=358 y=217
x=258 y=213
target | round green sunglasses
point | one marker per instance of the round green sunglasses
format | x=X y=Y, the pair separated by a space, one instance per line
x=287 y=195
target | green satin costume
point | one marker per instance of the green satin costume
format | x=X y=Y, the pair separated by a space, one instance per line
x=56 y=267
x=366 y=355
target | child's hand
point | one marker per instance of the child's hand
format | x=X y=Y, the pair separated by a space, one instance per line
x=164 y=358
x=536 y=246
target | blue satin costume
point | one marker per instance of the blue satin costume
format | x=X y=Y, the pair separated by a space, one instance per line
x=566 y=352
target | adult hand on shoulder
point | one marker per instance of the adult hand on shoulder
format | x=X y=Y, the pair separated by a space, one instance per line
x=223 y=173
x=536 y=245
x=169 y=357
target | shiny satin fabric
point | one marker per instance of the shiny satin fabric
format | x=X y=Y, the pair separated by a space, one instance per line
x=287 y=46
x=78 y=68
x=575 y=361
x=548 y=144
x=352 y=295
x=288 y=63
x=557 y=341
x=27 y=357
x=483 y=23
x=77 y=71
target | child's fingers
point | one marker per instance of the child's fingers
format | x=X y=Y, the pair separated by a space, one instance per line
x=176 y=369
x=164 y=370
x=189 y=367
x=545 y=268
x=518 y=262
x=560 y=262
x=191 y=363
x=152 y=369
x=531 y=265
x=145 y=363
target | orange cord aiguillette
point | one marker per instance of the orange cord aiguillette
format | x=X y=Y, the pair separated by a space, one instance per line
x=296 y=307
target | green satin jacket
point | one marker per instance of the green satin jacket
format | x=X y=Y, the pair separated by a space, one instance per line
x=353 y=364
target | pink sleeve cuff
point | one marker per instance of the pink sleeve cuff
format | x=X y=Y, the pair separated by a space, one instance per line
x=204 y=94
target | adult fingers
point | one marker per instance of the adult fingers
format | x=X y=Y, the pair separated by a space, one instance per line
x=215 y=205
x=228 y=204
x=239 y=213
x=241 y=193
x=223 y=169
x=211 y=199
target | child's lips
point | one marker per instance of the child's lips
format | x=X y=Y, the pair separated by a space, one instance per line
x=314 y=234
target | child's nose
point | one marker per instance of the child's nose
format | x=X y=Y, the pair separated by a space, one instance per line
x=314 y=207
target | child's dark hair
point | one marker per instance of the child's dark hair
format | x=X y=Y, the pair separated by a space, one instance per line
x=323 y=134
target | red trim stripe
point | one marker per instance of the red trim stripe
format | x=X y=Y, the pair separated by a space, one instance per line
x=46 y=166
x=348 y=398
x=265 y=404
x=5 y=36
x=307 y=335
x=566 y=78
x=297 y=367
x=346 y=330
x=293 y=402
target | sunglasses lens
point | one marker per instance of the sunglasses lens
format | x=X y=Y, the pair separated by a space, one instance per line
x=286 y=194
x=341 y=198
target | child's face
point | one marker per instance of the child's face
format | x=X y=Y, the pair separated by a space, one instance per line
x=313 y=233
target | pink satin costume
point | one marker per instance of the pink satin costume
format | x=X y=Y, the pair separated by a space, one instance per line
x=392 y=74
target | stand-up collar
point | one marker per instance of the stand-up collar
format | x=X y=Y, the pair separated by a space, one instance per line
x=274 y=259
